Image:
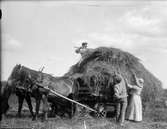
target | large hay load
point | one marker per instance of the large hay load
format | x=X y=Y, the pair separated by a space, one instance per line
x=102 y=62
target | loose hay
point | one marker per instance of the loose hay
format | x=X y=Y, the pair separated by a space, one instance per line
x=104 y=61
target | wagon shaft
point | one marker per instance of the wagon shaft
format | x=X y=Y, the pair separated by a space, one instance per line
x=54 y=92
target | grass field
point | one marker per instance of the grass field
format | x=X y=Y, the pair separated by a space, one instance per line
x=155 y=118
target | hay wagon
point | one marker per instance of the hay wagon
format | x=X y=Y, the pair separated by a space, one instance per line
x=101 y=100
x=86 y=101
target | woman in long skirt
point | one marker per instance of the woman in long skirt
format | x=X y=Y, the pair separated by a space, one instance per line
x=134 y=109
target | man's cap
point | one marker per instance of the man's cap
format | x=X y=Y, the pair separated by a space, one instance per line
x=117 y=78
x=84 y=43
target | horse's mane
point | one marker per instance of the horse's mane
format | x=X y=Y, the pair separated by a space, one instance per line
x=37 y=74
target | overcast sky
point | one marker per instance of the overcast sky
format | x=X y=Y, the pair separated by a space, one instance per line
x=42 y=33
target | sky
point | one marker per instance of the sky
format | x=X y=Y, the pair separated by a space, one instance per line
x=45 y=33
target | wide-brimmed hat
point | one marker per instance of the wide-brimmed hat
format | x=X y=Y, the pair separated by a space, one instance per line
x=141 y=80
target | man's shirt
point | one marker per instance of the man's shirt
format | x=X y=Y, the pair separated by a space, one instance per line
x=82 y=51
x=120 y=90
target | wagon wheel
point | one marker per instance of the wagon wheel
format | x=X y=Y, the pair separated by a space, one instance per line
x=80 y=112
x=102 y=114
x=101 y=111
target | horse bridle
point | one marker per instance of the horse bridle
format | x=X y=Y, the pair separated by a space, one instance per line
x=25 y=81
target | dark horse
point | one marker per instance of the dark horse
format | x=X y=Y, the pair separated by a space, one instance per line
x=22 y=82
x=3 y=103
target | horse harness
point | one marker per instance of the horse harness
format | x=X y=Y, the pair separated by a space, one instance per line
x=27 y=83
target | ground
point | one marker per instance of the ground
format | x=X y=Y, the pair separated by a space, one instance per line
x=155 y=118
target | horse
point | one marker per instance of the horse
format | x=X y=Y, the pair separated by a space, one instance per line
x=4 y=106
x=65 y=86
x=22 y=81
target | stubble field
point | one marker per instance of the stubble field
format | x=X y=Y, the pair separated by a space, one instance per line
x=155 y=118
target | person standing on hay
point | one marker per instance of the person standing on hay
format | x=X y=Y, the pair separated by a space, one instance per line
x=134 y=109
x=82 y=50
x=120 y=94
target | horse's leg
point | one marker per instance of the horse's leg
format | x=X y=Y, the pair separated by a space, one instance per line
x=20 y=99
x=38 y=102
x=73 y=106
x=28 y=99
x=45 y=107
x=53 y=110
x=73 y=109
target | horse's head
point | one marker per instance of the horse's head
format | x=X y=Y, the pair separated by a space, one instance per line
x=8 y=88
x=15 y=75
